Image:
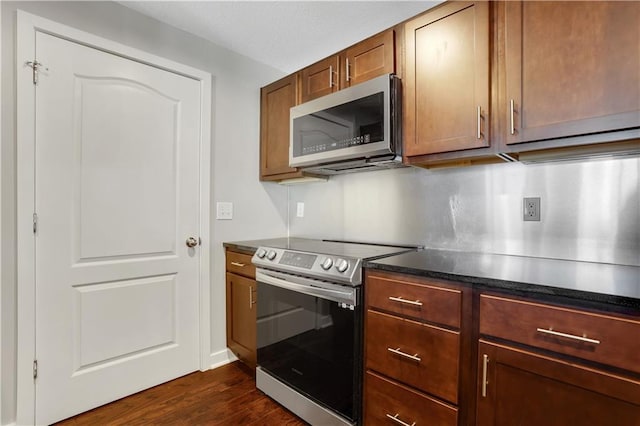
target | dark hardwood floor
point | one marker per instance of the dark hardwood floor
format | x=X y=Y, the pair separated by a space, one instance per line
x=224 y=396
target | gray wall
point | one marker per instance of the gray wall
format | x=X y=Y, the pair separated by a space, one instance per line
x=235 y=142
x=590 y=210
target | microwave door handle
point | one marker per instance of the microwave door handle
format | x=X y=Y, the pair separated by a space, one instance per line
x=347 y=297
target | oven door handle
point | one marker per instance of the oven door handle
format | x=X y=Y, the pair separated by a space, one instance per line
x=348 y=296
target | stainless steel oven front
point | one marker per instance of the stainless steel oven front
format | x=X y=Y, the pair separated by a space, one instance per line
x=309 y=341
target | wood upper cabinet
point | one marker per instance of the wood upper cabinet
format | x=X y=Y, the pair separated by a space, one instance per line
x=320 y=78
x=447 y=80
x=572 y=68
x=275 y=101
x=518 y=387
x=368 y=59
x=241 y=307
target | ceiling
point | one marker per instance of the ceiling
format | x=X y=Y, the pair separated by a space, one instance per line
x=286 y=35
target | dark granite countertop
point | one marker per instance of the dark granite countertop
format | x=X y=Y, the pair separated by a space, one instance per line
x=597 y=283
x=583 y=282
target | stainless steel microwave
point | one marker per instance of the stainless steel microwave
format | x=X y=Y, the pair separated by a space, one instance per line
x=354 y=129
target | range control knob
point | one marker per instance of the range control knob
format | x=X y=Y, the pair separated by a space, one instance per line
x=327 y=264
x=342 y=265
x=261 y=253
x=271 y=255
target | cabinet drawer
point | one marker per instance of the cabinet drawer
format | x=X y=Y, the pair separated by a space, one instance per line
x=596 y=337
x=240 y=263
x=423 y=301
x=384 y=398
x=421 y=355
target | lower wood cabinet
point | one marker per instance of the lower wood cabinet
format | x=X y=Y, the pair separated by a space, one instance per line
x=241 y=293
x=390 y=402
x=445 y=353
x=593 y=336
x=519 y=387
x=418 y=354
x=544 y=364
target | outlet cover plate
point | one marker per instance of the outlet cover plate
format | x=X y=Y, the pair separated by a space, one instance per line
x=531 y=209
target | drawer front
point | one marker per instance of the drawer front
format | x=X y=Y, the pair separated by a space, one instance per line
x=419 y=355
x=423 y=301
x=384 y=398
x=595 y=337
x=240 y=263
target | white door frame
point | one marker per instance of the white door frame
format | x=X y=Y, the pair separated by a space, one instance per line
x=1 y=258
x=27 y=26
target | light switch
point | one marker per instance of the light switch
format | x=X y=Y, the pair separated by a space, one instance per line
x=300 y=209
x=224 y=210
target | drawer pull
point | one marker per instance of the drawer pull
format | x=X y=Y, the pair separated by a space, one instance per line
x=408 y=302
x=400 y=422
x=568 y=336
x=238 y=264
x=397 y=351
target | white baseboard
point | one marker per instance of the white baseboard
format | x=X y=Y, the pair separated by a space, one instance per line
x=220 y=358
x=9 y=424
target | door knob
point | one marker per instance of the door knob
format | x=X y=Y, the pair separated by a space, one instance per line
x=192 y=242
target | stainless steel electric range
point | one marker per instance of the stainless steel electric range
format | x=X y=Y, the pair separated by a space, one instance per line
x=310 y=325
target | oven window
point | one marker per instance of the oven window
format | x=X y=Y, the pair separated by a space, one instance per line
x=313 y=345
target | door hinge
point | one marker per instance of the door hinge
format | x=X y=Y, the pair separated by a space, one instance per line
x=36 y=67
x=35 y=369
x=35 y=223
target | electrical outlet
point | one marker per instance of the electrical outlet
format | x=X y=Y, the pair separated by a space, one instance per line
x=531 y=210
x=300 y=209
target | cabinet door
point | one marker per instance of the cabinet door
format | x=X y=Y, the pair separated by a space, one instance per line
x=572 y=68
x=241 y=317
x=276 y=100
x=368 y=59
x=522 y=388
x=320 y=78
x=447 y=79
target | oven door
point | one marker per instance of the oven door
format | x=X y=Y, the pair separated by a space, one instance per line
x=310 y=339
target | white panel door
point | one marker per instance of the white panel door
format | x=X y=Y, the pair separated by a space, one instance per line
x=117 y=195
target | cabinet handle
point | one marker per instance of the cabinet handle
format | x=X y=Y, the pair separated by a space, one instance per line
x=479 y=122
x=408 y=302
x=241 y=265
x=330 y=76
x=397 y=351
x=568 y=336
x=251 y=301
x=347 y=70
x=513 y=124
x=397 y=420
x=485 y=364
